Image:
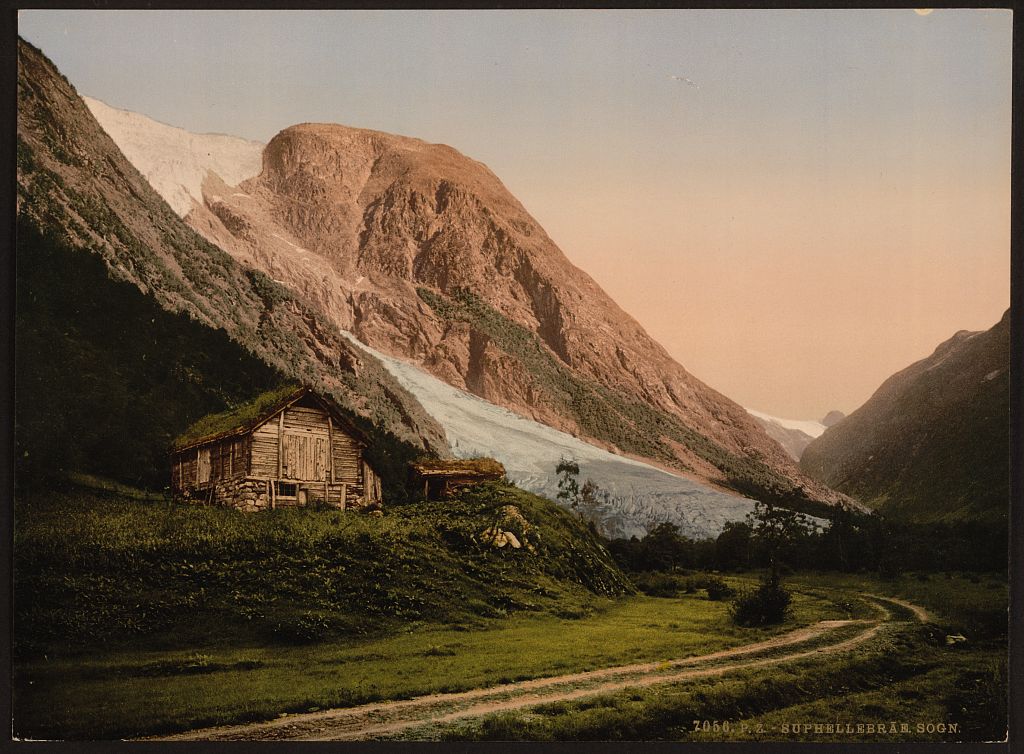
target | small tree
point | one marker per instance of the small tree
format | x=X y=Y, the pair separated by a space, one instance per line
x=778 y=532
x=763 y=606
x=568 y=482
x=732 y=547
x=665 y=549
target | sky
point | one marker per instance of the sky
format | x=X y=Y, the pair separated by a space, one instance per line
x=795 y=203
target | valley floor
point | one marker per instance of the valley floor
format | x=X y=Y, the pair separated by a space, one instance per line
x=420 y=715
x=633 y=668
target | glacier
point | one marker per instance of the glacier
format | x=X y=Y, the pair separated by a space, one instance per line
x=641 y=495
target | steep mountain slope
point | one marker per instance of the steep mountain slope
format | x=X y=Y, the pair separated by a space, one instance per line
x=792 y=434
x=421 y=253
x=77 y=194
x=932 y=443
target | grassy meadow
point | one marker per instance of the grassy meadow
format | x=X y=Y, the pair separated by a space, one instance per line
x=909 y=674
x=139 y=617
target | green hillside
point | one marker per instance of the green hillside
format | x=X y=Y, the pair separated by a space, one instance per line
x=103 y=568
x=106 y=378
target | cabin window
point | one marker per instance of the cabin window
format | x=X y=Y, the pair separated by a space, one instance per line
x=285 y=489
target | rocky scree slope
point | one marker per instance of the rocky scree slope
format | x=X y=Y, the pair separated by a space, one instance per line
x=932 y=443
x=422 y=253
x=76 y=188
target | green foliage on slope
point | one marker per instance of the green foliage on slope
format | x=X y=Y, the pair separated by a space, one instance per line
x=105 y=377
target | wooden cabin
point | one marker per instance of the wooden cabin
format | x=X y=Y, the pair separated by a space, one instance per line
x=439 y=479
x=289 y=447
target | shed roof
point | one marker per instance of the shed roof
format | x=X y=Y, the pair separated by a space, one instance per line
x=247 y=416
x=479 y=468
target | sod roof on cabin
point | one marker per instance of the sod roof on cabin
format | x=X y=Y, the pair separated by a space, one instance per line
x=482 y=468
x=238 y=419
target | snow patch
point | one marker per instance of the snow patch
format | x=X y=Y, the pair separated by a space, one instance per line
x=808 y=427
x=175 y=161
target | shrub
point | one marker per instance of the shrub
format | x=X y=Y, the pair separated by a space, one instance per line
x=307 y=628
x=717 y=589
x=657 y=584
x=763 y=606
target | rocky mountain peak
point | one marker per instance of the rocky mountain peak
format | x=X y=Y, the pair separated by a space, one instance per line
x=833 y=417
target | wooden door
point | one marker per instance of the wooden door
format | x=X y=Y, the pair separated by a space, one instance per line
x=304 y=456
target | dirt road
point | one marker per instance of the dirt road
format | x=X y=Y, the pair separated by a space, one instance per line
x=388 y=718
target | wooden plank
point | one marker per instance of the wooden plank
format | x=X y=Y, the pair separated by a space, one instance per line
x=366 y=498
x=203 y=466
x=280 y=449
x=330 y=444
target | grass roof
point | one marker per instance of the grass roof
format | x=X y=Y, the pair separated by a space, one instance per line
x=235 y=419
x=481 y=467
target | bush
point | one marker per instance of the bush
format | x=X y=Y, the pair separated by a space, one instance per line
x=304 y=629
x=657 y=584
x=766 y=605
x=717 y=589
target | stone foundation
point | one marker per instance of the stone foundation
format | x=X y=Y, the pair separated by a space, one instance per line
x=250 y=494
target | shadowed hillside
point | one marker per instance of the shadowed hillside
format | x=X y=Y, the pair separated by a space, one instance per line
x=932 y=443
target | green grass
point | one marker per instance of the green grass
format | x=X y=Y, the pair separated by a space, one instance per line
x=135 y=692
x=906 y=674
x=236 y=417
x=95 y=568
x=135 y=618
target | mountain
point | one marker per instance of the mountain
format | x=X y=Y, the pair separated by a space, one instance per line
x=792 y=434
x=833 y=417
x=422 y=254
x=932 y=443
x=130 y=325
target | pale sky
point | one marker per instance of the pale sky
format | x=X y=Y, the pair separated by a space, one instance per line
x=796 y=204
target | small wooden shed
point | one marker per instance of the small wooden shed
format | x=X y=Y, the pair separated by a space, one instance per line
x=289 y=447
x=442 y=478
